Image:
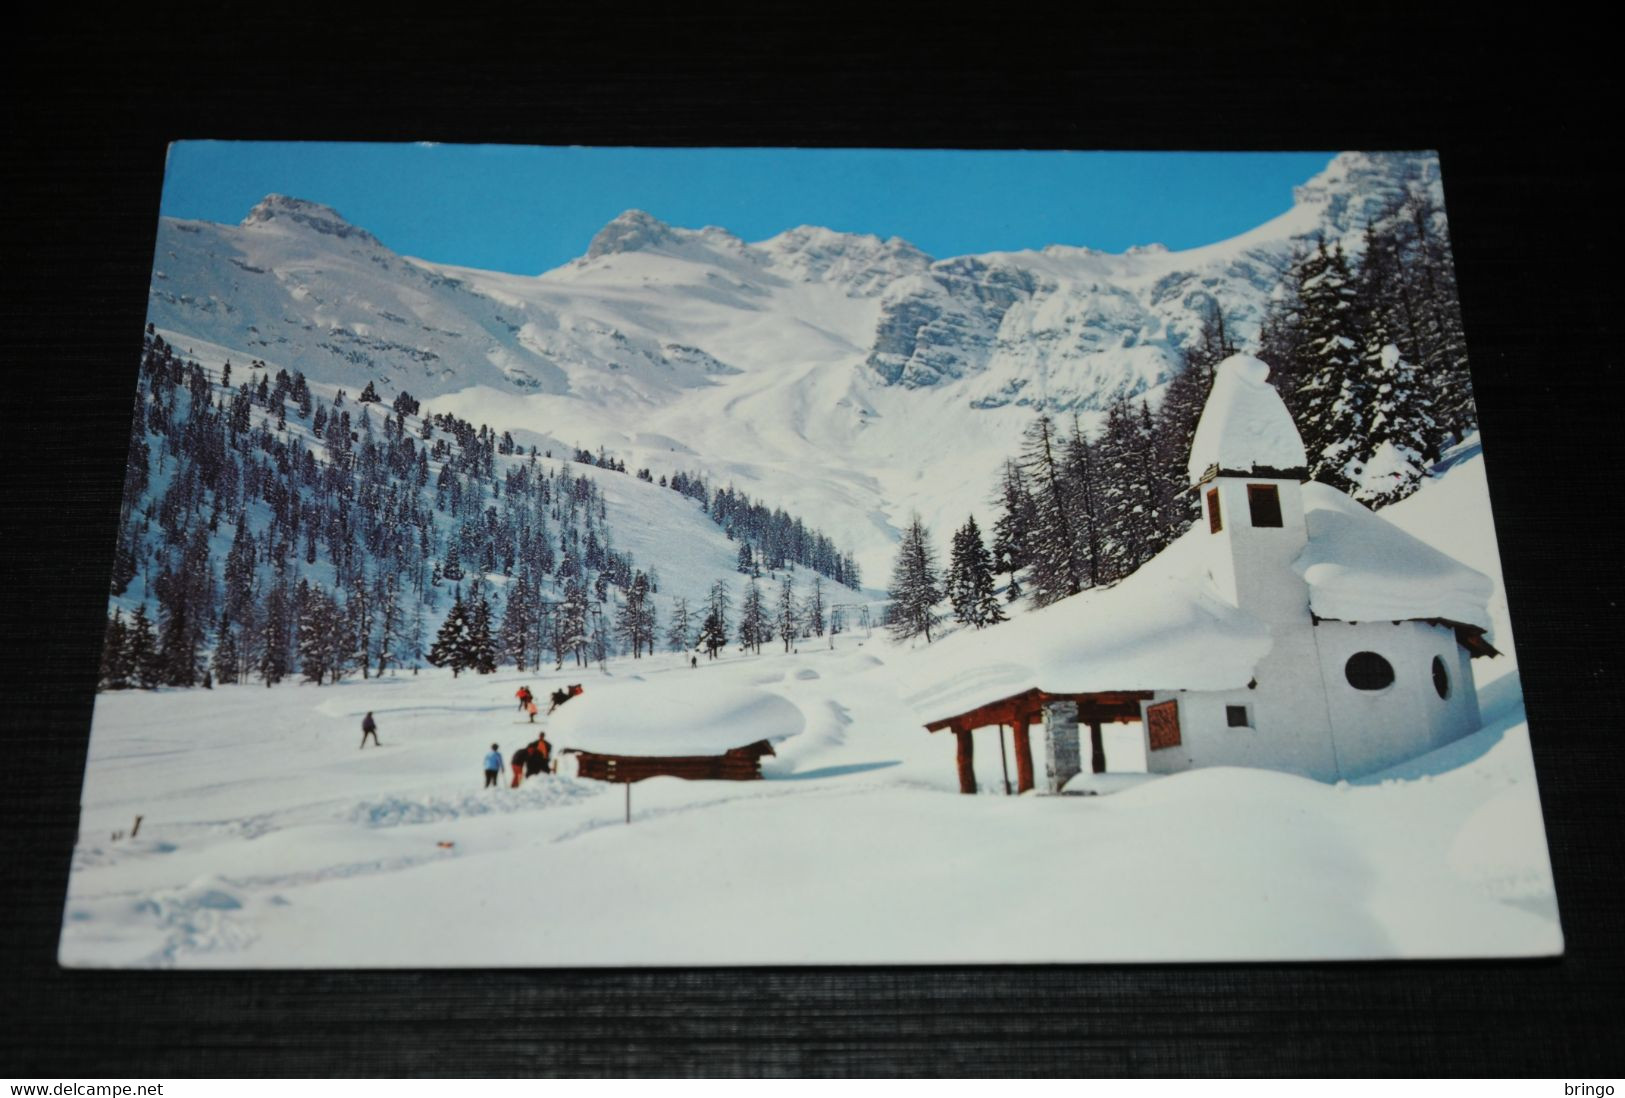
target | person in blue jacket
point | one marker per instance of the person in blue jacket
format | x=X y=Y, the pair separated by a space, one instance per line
x=493 y=767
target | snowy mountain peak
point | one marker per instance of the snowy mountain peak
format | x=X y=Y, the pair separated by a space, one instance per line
x=281 y=209
x=632 y=231
x=1359 y=187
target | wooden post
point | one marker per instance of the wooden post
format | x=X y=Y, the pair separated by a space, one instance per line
x=1097 y=744
x=628 y=801
x=1004 y=761
x=1024 y=756
x=967 y=757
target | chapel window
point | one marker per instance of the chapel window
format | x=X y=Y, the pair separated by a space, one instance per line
x=1368 y=671
x=1214 y=522
x=1264 y=503
x=1441 y=677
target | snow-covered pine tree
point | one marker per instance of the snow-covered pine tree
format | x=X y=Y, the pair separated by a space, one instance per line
x=1392 y=462
x=1330 y=397
x=1130 y=525
x=519 y=623
x=714 y=630
x=482 y=651
x=788 y=619
x=1011 y=530
x=1082 y=477
x=450 y=648
x=915 y=588
x=812 y=610
x=389 y=620
x=754 y=627
x=1052 y=542
x=970 y=578
x=573 y=620
x=680 y=631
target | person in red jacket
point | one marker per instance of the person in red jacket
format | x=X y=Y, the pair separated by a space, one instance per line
x=524 y=695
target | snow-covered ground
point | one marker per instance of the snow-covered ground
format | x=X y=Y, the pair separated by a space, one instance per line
x=268 y=838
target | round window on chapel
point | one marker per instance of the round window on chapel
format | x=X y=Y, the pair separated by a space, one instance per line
x=1368 y=671
x=1441 y=677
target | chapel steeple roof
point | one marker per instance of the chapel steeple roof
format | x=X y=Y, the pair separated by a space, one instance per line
x=1245 y=428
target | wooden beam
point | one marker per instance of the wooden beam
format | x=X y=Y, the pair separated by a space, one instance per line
x=1108 y=705
x=1097 y=745
x=967 y=760
x=1024 y=756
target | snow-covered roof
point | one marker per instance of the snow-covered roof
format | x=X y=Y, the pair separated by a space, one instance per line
x=1361 y=567
x=672 y=714
x=1163 y=628
x=1167 y=627
x=1245 y=425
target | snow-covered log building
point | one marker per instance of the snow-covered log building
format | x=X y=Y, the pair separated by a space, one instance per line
x=1289 y=629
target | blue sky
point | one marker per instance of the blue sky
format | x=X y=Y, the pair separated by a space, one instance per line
x=526 y=209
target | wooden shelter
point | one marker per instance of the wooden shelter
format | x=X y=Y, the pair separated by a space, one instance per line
x=736 y=764
x=1021 y=711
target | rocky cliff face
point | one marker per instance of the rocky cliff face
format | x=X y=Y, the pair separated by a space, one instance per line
x=1070 y=328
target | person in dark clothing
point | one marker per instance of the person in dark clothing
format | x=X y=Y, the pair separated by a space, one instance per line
x=535 y=759
x=493 y=767
x=369 y=727
x=544 y=753
x=559 y=697
x=518 y=762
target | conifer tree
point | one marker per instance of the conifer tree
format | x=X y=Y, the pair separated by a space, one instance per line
x=970 y=578
x=450 y=648
x=115 y=668
x=142 y=651
x=678 y=632
x=1052 y=542
x=788 y=619
x=915 y=587
x=481 y=652
x=519 y=623
x=812 y=611
x=1013 y=527
x=714 y=630
x=754 y=627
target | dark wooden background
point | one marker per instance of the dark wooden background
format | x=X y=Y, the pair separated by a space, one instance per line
x=1524 y=117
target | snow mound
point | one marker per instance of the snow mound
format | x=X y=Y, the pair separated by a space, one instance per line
x=396 y=811
x=1244 y=424
x=1361 y=567
x=693 y=719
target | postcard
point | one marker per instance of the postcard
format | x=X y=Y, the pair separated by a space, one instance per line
x=568 y=557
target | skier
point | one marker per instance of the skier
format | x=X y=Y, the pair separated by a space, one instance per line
x=559 y=697
x=369 y=727
x=694 y=662
x=493 y=767
x=530 y=707
x=518 y=761
x=524 y=696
